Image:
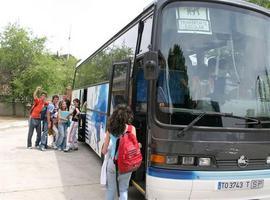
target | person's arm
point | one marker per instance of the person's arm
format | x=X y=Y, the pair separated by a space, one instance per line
x=77 y=111
x=49 y=117
x=58 y=116
x=35 y=92
x=67 y=117
x=134 y=132
x=106 y=143
x=84 y=107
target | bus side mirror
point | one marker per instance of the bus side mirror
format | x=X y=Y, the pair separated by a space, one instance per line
x=150 y=65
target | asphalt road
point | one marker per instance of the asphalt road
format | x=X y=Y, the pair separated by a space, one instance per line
x=51 y=175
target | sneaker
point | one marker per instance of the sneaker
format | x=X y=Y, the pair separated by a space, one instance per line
x=75 y=148
x=66 y=149
x=59 y=149
x=29 y=147
x=42 y=148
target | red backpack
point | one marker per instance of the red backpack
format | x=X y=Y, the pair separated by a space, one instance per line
x=129 y=154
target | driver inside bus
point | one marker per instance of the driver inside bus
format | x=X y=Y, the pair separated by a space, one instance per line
x=199 y=82
x=172 y=83
x=218 y=80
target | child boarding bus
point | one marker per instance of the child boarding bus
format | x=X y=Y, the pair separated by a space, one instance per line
x=197 y=76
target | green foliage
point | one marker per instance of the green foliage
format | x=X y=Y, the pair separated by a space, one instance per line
x=18 y=49
x=25 y=64
x=264 y=3
x=97 y=69
x=176 y=59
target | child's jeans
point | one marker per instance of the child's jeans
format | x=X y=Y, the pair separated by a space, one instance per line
x=72 y=137
x=62 y=136
x=123 y=180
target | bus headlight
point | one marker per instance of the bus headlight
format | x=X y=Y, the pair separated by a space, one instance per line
x=268 y=160
x=188 y=160
x=171 y=160
x=204 y=162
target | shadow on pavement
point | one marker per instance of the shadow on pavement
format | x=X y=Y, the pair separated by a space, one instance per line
x=80 y=171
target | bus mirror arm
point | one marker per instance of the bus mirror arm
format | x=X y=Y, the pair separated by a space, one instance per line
x=150 y=65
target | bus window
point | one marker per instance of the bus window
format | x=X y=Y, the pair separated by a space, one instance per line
x=141 y=91
x=124 y=46
x=119 y=84
x=146 y=35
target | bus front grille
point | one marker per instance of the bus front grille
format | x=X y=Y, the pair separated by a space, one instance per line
x=234 y=164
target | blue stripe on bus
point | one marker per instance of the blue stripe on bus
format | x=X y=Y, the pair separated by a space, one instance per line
x=207 y=175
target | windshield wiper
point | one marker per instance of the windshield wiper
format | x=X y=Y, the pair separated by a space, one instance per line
x=254 y=121
x=202 y=114
x=257 y=122
x=194 y=121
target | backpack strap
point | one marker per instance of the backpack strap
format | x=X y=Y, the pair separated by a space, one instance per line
x=129 y=129
x=116 y=166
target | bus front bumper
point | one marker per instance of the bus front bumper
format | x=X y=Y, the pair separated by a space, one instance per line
x=172 y=184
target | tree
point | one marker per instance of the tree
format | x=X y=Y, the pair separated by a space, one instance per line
x=26 y=64
x=18 y=50
x=176 y=59
x=264 y=3
x=52 y=73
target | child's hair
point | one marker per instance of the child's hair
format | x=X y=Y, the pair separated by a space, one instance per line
x=55 y=97
x=121 y=116
x=77 y=101
x=61 y=105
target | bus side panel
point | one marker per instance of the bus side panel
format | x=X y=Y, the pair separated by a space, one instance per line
x=96 y=118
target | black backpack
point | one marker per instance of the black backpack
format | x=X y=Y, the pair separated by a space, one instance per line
x=43 y=113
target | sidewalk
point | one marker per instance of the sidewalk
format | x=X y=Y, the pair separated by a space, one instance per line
x=47 y=175
x=12 y=122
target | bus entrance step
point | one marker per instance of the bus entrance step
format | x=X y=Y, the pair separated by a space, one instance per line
x=140 y=186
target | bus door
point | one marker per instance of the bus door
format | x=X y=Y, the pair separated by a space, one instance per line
x=82 y=124
x=119 y=82
x=139 y=107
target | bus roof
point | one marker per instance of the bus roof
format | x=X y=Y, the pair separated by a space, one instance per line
x=148 y=9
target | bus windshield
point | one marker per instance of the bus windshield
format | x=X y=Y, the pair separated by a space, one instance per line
x=216 y=58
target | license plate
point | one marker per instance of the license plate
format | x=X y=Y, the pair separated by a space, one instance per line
x=239 y=185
